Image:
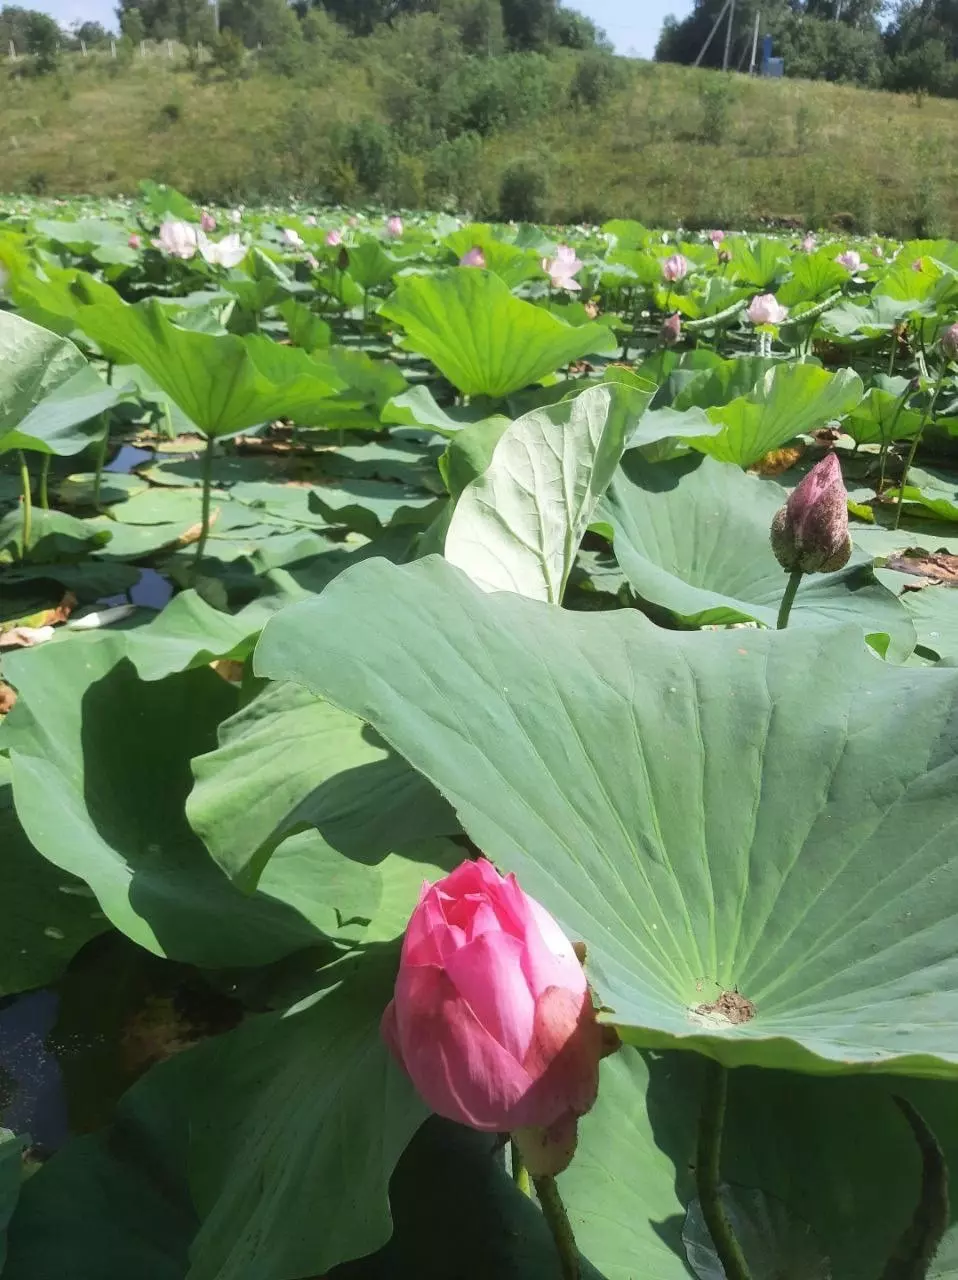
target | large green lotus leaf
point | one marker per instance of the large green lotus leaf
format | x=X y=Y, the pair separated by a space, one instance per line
x=789 y=399
x=712 y=813
x=512 y=263
x=834 y=1153
x=370 y=265
x=310 y=1106
x=518 y=525
x=224 y=383
x=814 y=277
x=481 y=337
x=47 y=390
x=692 y=537
x=882 y=417
x=288 y=759
x=935 y=614
x=46 y=916
x=871 y=319
x=761 y=263
x=708 y=381
x=101 y=771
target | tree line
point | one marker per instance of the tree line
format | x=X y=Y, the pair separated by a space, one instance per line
x=910 y=45
x=485 y=26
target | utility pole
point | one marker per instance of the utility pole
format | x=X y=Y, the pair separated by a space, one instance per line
x=708 y=40
x=216 y=16
x=728 y=36
x=838 y=10
x=758 y=23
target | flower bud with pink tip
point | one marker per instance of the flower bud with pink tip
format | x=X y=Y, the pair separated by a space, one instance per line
x=394 y=226
x=492 y=1018
x=671 y=331
x=675 y=268
x=716 y=237
x=334 y=238
x=207 y=222
x=810 y=533
x=474 y=258
x=135 y=241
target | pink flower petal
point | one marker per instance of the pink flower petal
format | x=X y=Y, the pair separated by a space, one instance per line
x=487 y=973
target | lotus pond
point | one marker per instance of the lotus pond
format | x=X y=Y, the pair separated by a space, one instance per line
x=336 y=553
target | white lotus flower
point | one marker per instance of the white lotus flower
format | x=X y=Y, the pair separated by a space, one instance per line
x=177 y=240
x=228 y=252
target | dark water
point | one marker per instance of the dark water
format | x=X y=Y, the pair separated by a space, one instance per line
x=129 y=457
x=34 y=1101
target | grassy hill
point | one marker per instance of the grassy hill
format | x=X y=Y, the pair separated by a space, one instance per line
x=665 y=144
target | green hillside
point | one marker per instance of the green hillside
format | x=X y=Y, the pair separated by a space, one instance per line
x=566 y=137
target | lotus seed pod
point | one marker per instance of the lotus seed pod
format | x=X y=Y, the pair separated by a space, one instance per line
x=810 y=533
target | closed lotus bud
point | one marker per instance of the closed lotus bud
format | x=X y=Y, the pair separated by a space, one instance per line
x=671 y=331
x=492 y=1017
x=724 y=257
x=342 y=260
x=675 y=268
x=474 y=258
x=949 y=342
x=810 y=533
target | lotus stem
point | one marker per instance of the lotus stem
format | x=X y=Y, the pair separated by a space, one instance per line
x=926 y=417
x=553 y=1210
x=101 y=453
x=520 y=1174
x=44 y=482
x=788 y=599
x=886 y=440
x=207 y=493
x=708 y=1171
x=27 y=528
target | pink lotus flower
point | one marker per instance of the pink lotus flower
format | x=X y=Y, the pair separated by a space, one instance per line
x=716 y=237
x=809 y=244
x=474 y=258
x=293 y=238
x=207 y=222
x=810 y=533
x=671 y=330
x=949 y=342
x=135 y=241
x=675 y=268
x=394 y=226
x=766 y=309
x=177 y=240
x=228 y=252
x=492 y=1016
x=850 y=260
x=334 y=238
x=562 y=269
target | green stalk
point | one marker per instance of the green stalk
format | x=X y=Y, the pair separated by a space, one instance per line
x=520 y=1174
x=788 y=599
x=553 y=1210
x=207 y=492
x=886 y=440
x=708 y=1175
x=44 y=482
x=101 y=460
x=926 y=417
x=27 y=529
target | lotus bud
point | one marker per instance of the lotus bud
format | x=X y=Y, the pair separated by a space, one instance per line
x=293 y=238
x=949 y=342
x=342 y=260
x=474 y=258
x=671 y=331
x=310 y=220
x=808 y=244
x=135 y=241
x=334 y=238
x=810 y=533
x=207 y=222
x=394 y=226
x=724 y=257
x=716 y=237
x=766 y=309
x=675 y=268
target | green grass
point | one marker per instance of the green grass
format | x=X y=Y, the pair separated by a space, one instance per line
x=674 y=145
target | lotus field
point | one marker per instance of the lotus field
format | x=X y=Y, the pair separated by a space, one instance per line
x=478 y=751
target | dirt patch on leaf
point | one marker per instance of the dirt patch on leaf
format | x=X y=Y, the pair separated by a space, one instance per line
x=732 y=1006
x=940 y=567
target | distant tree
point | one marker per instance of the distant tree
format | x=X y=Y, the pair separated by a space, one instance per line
x=188 y=20
x=573 y=30
x=255 y=22
x=91 y=33
x=529 y=24
x=30 y=31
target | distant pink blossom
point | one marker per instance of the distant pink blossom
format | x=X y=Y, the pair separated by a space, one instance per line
x=675 y=268
x=207 y=222
x=716 y=237
x=809 y=244
x=135 y=241
x=949 y=342
x=293 y=238
x=394 y=226
x=310 y=220
x=850 y=260
x=766 y=309
x=879 y=251
x=177 y=240
x=562 y=269
x=474 y=258
x=334 y=238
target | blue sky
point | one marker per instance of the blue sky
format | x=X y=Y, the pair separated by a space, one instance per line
x=633 y=25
